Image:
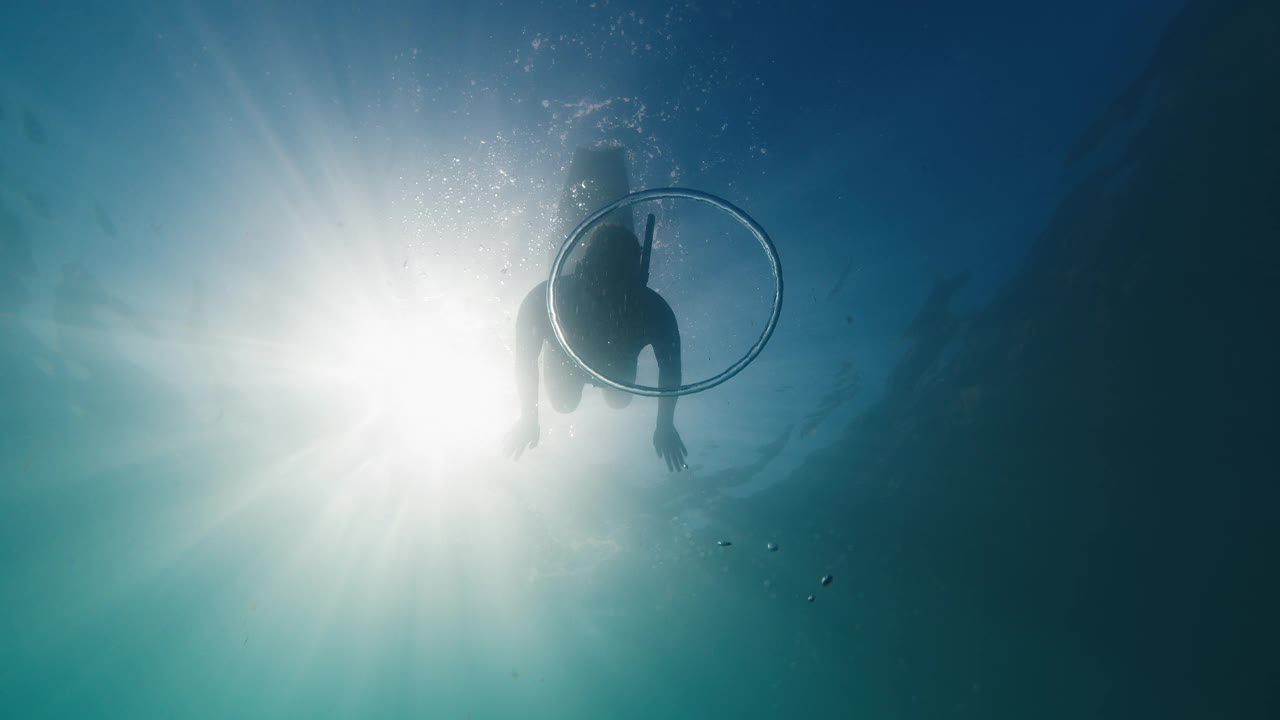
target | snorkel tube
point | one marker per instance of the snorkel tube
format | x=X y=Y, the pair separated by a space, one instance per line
x=647 y=252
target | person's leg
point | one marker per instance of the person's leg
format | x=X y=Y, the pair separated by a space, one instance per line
x=563 y=378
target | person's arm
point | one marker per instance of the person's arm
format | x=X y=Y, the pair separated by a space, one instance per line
x=531 y=322
x=666 y=349
x=665 y=339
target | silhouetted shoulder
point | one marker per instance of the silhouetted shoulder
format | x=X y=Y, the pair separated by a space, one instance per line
x=533 y=309
x=537 y=294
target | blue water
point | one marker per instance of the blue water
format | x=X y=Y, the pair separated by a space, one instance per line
x=259 y=271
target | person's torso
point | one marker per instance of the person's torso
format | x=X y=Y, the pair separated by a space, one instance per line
x=606 y=326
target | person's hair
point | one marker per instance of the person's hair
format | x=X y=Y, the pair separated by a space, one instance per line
x=611 y=251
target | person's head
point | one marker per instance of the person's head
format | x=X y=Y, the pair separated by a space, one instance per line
x=611 y=257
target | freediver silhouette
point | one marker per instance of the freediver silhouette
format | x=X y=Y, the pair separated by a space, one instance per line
x=608 y=315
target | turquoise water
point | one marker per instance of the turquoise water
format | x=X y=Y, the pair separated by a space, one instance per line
x=259 y=271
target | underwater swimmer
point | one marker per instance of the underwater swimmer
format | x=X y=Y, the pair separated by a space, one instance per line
x=608 y=316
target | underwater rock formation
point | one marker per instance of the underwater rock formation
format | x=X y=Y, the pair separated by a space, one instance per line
x=33 y=129
x=16 y=263
x=103 y=220
x=1079 y=500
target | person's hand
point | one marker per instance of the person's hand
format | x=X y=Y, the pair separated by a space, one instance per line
x=523 y=435
x=670 y=447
